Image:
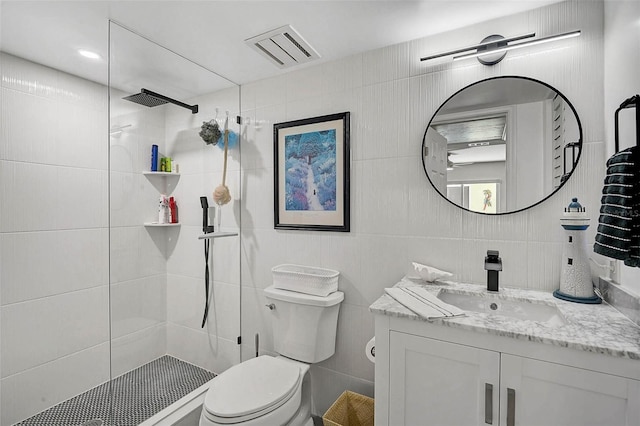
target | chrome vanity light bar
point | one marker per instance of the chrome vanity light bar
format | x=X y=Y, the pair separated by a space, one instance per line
x=478 y=46
x=518 y=45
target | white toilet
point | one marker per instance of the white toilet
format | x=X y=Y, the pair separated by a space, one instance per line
x=271 y=391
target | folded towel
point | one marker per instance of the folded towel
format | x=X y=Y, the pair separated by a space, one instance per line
x=618 y=233
x=427 y=273
x=423 y=303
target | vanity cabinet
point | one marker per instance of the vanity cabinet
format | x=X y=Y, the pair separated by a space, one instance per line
x=433 y=382
x=439 y=383
x=431 y=374
x=545 y=393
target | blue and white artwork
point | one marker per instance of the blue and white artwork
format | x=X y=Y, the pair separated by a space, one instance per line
x=310 y=164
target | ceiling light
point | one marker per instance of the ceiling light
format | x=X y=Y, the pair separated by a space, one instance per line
x=498 y=44
x=89 y=54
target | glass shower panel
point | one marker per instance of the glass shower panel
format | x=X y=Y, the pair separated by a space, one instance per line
x=158 y=101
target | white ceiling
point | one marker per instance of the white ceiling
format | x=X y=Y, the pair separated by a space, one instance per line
x=212 y=33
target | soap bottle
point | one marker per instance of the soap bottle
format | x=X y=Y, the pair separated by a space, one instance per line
x=154 y=158
x=163 y=209
x=173 y=210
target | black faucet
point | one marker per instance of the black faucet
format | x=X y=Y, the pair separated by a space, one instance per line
x=493 y=265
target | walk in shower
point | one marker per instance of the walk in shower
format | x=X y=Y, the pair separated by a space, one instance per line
x=101 y=305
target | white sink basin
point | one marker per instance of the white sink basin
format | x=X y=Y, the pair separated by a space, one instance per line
x=496 y=305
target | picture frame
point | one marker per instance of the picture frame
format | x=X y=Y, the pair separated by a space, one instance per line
x=312 y=173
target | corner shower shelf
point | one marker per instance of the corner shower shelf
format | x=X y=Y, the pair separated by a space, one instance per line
x=217 y=235
x=164 y=175
x=147 y=173
x=156 y=224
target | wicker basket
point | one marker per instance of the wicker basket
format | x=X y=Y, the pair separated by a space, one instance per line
x=305 y=279
x=350 y=409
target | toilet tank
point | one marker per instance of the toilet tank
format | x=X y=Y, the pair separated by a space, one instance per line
x=304 y=326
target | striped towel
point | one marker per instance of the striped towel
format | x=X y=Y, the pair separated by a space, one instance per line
x=423 y=303
x=618 y=233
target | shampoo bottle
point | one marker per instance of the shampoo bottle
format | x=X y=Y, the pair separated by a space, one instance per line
x=154 y=158
x=163 y=209
x=173 y=209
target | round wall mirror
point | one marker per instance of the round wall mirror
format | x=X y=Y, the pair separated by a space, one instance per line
x=502 y=145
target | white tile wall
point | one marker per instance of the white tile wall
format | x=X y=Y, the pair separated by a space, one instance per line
x=138 y=304
x=41 y=330
x=36 y=389
x=53 y=237
x=135 y=349
x=202 y=348
x=25 y=116
x=137 y=252
x=186 y=307
x=396 y=215
x=41 y=264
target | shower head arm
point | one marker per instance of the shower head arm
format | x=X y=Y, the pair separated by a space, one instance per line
x=193 y=108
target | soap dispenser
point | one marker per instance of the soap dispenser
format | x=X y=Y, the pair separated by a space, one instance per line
x=575 y=279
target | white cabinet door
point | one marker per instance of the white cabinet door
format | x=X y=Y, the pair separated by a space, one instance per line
x=438 y=383
x=537 y=393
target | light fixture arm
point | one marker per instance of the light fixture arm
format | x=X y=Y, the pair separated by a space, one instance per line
x=478 y=46
x=496 y=45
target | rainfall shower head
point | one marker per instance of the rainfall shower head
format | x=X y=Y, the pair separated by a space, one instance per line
x=146 y=98
x=153 y=99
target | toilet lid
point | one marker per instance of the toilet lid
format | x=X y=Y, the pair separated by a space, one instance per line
x=252 y=386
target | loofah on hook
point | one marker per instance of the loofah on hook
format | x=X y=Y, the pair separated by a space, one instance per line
x=210 y=132
x=232 y=140
x=221 y=195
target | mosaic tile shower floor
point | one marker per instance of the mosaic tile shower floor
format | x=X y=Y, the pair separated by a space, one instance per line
x=127 y=400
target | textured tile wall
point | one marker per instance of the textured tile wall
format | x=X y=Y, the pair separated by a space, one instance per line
x=54 y=319
x=396 y=215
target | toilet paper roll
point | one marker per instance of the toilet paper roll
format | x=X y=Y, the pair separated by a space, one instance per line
x=370 y=350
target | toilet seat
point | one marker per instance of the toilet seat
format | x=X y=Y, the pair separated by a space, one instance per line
x=252 y=389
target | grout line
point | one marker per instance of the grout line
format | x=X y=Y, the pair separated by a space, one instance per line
x=92 y=288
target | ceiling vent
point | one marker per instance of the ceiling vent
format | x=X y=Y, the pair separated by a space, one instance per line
x=283 y=46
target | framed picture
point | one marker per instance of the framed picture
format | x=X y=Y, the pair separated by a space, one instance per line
x=311 y=173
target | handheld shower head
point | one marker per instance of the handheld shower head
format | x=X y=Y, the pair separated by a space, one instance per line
x=205 y=216
x=204 y=203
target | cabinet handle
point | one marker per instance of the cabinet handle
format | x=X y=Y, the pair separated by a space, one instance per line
x=511 y=407
x=488 y=403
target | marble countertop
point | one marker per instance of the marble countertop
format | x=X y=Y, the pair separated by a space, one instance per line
x=593 y=328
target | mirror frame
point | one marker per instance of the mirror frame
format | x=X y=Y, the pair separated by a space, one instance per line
x=570 y=174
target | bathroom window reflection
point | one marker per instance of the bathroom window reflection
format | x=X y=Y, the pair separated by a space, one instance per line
x=481 y=197
x=516 y=133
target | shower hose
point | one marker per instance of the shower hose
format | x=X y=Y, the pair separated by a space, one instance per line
x=206 y=281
